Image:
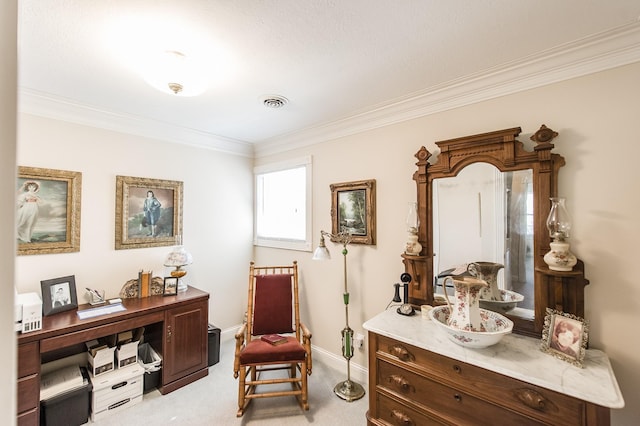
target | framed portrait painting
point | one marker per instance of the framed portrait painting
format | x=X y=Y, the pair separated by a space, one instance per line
x=48 y=211
x=353 y=209
x=59 y=295
x=565 y=336
x=148 y=212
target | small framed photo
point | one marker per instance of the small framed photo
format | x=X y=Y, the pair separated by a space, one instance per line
x=565 y=336
x=353 y=209
x=170 y=286
x=59 y=295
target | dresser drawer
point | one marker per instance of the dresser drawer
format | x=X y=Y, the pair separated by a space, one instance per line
x=28 y=359
x=397 y=414
x=455 y=406
x=543 y=404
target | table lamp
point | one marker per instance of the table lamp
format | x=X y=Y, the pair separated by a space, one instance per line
x=178 y=258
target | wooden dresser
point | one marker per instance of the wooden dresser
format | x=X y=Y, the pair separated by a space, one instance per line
x=418 y=377
x=176 y=326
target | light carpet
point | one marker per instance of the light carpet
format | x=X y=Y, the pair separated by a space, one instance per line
x=213 y=401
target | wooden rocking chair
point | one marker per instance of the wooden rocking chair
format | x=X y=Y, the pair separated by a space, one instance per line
x=273 y=308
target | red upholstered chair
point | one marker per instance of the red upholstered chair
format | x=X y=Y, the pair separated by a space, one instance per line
x=273 y=308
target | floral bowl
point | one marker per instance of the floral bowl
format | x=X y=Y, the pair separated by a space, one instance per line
x=496 y=325
x=509 y=301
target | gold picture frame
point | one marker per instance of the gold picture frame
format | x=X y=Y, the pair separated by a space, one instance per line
x=142 y=222
x=565 y=336
x=353 y=209
x=48 y=216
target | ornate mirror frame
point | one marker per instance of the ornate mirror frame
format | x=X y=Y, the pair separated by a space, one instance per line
x=563 y=291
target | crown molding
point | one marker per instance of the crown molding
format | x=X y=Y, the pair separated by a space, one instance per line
x=610 y=49
x=57 y=108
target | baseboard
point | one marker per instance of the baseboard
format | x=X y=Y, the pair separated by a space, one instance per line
x=359 y=373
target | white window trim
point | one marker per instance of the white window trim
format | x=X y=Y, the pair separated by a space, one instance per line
x=280 y=242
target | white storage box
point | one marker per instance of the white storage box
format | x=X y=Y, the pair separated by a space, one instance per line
x=127 y=347
x=100 y=358
x=116 y=390
x=127 y=354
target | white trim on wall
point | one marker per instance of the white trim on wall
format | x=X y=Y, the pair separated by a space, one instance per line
x=609 y=49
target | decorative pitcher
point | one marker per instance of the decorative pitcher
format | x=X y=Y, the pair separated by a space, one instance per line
x=487 y=271
x=465 y=313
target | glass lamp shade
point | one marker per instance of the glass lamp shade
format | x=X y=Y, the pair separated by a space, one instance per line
x=321 y=252
x=178 y=257
x=558 y=221
x=413 y=222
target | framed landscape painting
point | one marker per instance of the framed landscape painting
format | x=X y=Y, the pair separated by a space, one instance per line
x=148 y=212
x=353 y=210
x=48 y=211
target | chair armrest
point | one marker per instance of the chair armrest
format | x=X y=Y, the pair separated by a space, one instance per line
x=305 y=331
x=306 y=342
x=240 y=338
x=240 y=334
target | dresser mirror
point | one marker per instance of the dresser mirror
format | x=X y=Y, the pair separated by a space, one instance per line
x=499 y=161
x=491 y=212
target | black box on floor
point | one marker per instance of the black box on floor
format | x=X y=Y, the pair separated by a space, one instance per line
x=69 y=408
x=214 y=345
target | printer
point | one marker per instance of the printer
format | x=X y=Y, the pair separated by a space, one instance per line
x=28 y=312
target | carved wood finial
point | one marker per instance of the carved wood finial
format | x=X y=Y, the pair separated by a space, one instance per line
x=423 y=155
x=544 y=135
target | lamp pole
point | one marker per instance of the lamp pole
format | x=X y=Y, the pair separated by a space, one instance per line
x=347 y=389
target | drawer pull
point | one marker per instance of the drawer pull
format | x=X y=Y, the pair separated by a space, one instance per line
x=401 y=383
x=401 y=353
x=457 y=397
x=401 y=419
x=457 y=369
x=533 y=399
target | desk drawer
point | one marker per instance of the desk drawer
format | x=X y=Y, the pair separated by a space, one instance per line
x=28 y=393
x=28 y=359
x=452 y=404
x=29 y=418
x=542 y=404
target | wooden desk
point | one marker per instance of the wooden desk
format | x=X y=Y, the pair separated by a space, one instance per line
x=176 y=327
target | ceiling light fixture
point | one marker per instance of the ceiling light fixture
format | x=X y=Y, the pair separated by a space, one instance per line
x=173 y=72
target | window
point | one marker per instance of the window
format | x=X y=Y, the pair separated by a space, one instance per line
x=283 y=205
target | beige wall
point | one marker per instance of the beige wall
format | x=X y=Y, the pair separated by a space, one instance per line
x=8 y=76
x=596 y=117
x=217 y=222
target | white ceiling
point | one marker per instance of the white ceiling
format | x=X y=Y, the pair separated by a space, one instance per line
x=344 y=65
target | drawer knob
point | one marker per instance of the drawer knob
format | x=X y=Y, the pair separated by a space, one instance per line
x=457 y=397
x=401 y=383
x=401 y=419
x=535 y=400
x=401 y=353
x=457 y=369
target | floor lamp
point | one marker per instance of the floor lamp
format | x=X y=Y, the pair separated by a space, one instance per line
x=347 y=390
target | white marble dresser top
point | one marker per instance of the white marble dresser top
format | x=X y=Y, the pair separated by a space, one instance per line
x=515 y=356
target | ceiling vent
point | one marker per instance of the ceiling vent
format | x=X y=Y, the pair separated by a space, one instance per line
x=274 y=101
